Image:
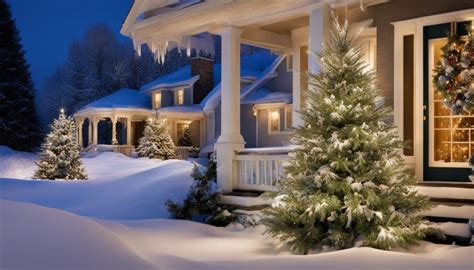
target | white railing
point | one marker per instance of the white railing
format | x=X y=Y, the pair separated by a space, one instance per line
x=259 y=170
x=182 y=152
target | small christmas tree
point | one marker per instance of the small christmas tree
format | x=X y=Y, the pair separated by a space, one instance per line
x=156 y=141
x=60 y=157
x=185 y=140
x=201 y=201
x=346 y=179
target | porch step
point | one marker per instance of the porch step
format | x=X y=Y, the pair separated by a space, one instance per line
x=469 y=185
x=244 y=193
x=248 y=202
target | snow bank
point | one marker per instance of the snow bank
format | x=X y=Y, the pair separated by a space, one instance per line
x=34 y=237
x=14 y=164
x=119 y=187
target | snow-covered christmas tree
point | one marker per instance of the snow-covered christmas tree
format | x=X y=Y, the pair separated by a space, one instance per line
x=346 y=181
x=185 y=140
x=156 y=141
x=60 y=157
x=201 y=202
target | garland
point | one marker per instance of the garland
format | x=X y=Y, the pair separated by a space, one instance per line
x=454 y=74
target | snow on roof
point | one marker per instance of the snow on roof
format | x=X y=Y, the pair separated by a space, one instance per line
x=181 y=109
x=252 y=67
x=211 y=101
x=263 y=95
x=123 y=98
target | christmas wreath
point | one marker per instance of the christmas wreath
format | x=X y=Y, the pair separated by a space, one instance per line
x=454 y=73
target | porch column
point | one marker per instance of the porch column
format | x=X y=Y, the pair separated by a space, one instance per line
x=230 y=139
x=299 y=38
x=129 y=131
x=319 y=30
x=114 y=130
x=80 y=122
x=95 y=124
x=89 y=141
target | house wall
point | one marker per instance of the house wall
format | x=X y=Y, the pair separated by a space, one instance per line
x=283 y=82
x=397 y=10
x=217 y=122
x=167 y=98
x=248 y=125
x=194 y=129
x=188 y=96
x=264 y=138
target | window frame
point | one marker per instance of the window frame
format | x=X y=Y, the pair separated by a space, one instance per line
x=155 y=100
x=287 y=109
x=177 y=97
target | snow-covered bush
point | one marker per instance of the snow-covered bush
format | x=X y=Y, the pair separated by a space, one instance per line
x=156 y=141
x=346 y=179
x=201 y=203
x=60 y=157
x=194 y=152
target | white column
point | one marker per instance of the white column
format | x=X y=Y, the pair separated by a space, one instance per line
x=230 y=139
x=95 y=124
x=319 y=29
x=79 y=131
x=299 y=38
x=129 y=131
x=114 y=130
x=89 y=130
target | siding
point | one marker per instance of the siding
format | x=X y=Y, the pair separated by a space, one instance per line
x=397 y=10
x=284 y=81
x=265 y=139
x=248 y=125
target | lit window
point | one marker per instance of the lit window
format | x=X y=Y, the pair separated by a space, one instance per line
x=157 y=100
x=275 y=120
x=180 y=129
x=179 y=97
x=288 y=121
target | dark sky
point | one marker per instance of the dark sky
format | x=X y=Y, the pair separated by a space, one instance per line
x=47 y=27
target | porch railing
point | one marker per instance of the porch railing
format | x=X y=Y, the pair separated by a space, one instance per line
x=182 y=152
x=260 y=169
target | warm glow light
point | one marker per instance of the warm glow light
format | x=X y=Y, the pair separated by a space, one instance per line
x=275 y=115
x=62 y=110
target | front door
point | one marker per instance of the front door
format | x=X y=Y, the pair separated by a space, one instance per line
x=448 y=140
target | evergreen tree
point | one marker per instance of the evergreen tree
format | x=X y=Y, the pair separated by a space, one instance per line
x=201 y=202
x=185 y=140
x=19 y=126
x=346 y=180
x=156 y=141
x=60 y=157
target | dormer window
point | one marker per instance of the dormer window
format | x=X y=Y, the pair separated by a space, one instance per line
x=179 y=97
x=157 y=100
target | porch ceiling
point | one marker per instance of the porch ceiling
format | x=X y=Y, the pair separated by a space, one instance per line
x=265 y=23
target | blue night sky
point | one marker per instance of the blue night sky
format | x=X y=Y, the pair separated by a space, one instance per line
x=47 y=27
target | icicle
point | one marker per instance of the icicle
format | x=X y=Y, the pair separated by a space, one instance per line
x=139 y=49
x=188 y=47
x=362 y=5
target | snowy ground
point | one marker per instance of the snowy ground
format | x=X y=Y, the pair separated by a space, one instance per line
x=116 y=220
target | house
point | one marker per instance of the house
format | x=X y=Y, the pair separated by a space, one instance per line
x=245 y=116
x=189 y=98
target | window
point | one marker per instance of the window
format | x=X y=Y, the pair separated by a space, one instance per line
x=288 y=119
x=279 y=120
x=180 y=129
x=274 y=120
x=157 y=100
x=179 y=97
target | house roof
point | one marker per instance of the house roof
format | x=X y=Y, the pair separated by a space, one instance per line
x=251 y=69
x=263 y=95
x=120 y=99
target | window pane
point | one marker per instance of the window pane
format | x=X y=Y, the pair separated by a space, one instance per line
x=180 y=97
x=157 y=100
x=289 y=123
x=274 y=120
